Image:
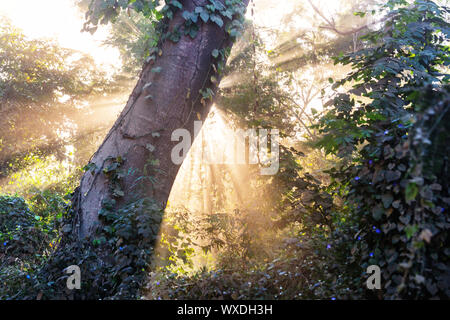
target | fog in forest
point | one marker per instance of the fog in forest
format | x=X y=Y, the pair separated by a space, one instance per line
x=298 y=67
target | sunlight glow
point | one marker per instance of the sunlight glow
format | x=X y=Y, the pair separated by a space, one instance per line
x=268 y=14
x=60 y=20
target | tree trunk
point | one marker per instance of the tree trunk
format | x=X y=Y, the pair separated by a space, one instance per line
x=153 y=112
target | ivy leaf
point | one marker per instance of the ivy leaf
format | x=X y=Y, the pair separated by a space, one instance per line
x=392 y=175
x=204 y=16
x=387 y=200
x=169 y=14
x=377 y=213
x=217 y=4
x=67 y=228
x=410 y=231
x=150 y=58
x=90 y=166
x=215 y=53
x=157 y=70
x=186 y=15
x=228 y=14
x=218 y=20
x=118 y=193
x=436 y=187
x=190 y=16
x=193 y=32
x=234 y=33
x=411 y=191
x=177 y=4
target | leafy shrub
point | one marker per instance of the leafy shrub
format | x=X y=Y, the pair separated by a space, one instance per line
x=391 y=132
x=304 y=271
x=25 y=243
x=20 y=234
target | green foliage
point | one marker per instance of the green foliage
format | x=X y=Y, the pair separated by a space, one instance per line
x=302 y=271
x=147 y=22
x=390 y=132
x=384 y=201
x=113 y=262
x=28 y=235
x=37 y=71
x=133 y=34
x=102 y=12
x=363 y=217
x=19 y=234
x=40 y=85
x=237 y=240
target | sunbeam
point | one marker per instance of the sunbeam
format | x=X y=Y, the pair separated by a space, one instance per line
x=63 y=21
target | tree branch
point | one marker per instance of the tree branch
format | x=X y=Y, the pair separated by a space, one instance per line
x=331 y=24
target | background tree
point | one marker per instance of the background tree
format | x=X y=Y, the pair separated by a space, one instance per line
x=45 y=93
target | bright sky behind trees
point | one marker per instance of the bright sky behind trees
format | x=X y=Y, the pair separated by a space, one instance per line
x=61 y=20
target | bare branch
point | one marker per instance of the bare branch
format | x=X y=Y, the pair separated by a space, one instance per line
x=331 y=24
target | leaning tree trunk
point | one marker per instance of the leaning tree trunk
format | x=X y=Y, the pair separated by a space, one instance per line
x=153 y=112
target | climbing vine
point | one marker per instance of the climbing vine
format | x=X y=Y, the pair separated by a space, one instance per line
x=389 y=132
x=115 y=260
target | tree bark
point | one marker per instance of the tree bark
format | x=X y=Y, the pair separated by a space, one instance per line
x=186 y=68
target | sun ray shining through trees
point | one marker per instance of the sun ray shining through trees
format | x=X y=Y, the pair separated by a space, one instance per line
x=224 y=149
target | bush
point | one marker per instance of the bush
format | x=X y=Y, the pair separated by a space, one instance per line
x=27 y=238
x=20 y=233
